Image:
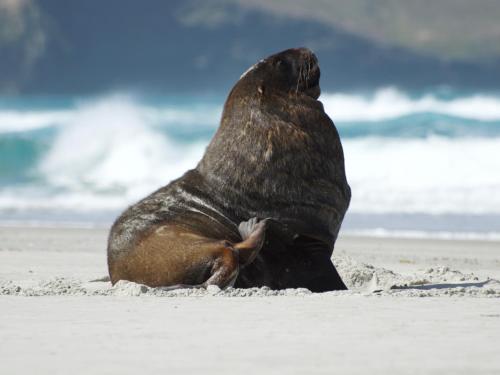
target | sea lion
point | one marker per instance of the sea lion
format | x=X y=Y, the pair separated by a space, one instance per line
x=264 y=205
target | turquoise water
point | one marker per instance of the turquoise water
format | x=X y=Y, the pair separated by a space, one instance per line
x=423 y=162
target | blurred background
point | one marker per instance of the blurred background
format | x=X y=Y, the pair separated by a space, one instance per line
x=101 y=102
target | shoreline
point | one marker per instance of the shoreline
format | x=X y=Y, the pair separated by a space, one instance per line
x=399 y=254
x=361 y=233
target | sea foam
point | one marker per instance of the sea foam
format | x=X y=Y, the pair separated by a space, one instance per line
x=105 y=153
x=390 y=103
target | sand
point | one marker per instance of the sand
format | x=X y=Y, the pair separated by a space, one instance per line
x=414 y=306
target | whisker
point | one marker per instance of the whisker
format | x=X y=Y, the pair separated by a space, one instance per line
x=298 y=80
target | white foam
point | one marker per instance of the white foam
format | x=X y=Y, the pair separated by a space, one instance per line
x=435 y=175
x=197 y=114
x=80 y=199
x=383 y=104
x=105 y=167
x=388 y=103
x=111 y=147
x=20 y=121
x=111 y=151
x=418 y=234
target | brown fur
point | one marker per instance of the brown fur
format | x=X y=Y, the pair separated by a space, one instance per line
x=275 y=155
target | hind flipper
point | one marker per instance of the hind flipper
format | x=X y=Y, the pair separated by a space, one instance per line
x=246 y=227
x=253 y=234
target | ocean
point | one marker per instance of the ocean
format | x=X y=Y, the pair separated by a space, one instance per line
x=425 y=164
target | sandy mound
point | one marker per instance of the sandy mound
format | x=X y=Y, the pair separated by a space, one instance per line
x=362 y=279
x=435 y=281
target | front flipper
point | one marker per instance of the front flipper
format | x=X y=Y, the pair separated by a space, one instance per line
x=316 y=270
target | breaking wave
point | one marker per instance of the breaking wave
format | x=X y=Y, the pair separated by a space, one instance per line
x=403 y=154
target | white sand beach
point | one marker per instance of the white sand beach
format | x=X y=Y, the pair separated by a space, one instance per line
x=414 y=306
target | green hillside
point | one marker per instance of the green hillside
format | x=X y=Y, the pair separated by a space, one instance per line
x=466 y=30
x=85 y=47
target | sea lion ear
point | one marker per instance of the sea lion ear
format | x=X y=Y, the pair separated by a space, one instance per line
x=260 y=88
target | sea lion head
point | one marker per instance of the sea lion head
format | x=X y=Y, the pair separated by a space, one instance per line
x=293 y=71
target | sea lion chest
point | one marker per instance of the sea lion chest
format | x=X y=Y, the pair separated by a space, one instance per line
x=282 y=158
